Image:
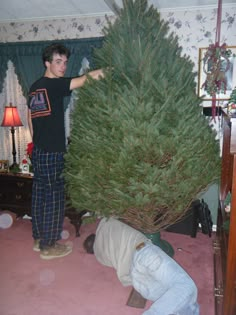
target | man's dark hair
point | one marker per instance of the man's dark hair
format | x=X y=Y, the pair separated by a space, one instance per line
x=88 y=243
x=52 y=49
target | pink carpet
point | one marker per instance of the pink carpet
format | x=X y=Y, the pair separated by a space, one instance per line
x=78 y=284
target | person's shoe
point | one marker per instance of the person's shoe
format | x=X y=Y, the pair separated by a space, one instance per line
x=36 y=245
x=56 y=251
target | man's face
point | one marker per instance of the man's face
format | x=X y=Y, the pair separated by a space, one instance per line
x=56 y=68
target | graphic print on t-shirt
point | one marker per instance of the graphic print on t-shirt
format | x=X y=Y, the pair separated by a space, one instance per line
x=39 y=103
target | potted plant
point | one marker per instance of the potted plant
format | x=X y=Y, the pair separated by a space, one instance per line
x=232 y=98
x=231 y=107
x=140 y=149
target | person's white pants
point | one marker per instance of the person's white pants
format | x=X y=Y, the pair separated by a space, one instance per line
x=159 y=278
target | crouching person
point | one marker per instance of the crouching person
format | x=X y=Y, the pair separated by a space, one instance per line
x=155 y=275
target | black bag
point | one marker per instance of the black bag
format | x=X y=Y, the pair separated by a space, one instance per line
x=198 y=213
x=205 y=218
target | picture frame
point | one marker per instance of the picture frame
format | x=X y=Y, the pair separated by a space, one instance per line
x=230 y=76
x=4 y=166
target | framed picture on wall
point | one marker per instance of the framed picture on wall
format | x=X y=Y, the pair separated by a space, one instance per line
x=229 y=75
x=4 y=166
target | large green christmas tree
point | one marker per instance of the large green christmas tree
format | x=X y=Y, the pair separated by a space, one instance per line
x=141 y=149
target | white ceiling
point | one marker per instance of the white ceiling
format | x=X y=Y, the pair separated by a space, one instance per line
x=20 y=10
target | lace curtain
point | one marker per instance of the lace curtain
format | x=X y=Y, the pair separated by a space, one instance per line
x=12 y=93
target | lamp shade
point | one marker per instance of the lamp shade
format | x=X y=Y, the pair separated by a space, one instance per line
x=11 y=117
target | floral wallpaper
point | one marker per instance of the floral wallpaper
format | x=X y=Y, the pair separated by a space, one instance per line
x=69 y=28
x=195 y=28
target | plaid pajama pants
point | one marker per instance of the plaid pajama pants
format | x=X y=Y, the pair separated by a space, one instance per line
x=48 y=196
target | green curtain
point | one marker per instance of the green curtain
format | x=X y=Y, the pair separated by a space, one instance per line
x=3 y=69
x=27 y=58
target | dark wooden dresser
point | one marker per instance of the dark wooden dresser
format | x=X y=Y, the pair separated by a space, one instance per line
x=15 y=196
x=225 y=244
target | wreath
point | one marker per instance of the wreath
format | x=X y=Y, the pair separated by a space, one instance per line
x=215 y=64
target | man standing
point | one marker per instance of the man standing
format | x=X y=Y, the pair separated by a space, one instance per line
x=155 y=275
x=46 y=123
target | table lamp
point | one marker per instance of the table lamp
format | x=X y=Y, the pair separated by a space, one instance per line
x=12 y=119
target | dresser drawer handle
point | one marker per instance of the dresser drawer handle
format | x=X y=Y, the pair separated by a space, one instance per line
x=20 y=184
x=18 y=197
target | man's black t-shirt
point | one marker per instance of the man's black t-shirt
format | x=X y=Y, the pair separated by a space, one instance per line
x=47 y=112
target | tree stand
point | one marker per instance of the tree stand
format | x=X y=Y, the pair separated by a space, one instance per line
x=164 y=245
